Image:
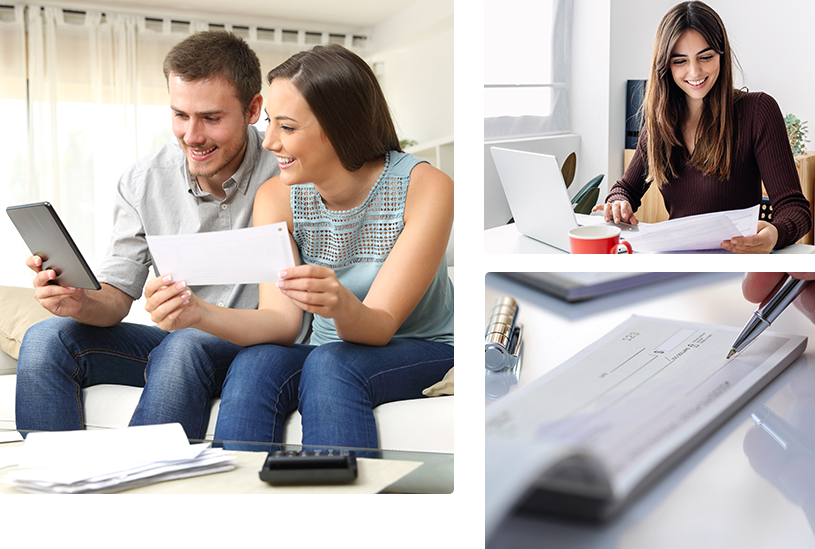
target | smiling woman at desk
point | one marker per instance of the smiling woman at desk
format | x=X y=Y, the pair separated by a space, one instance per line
x=706 y=145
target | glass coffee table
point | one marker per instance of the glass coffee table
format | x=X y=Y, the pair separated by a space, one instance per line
x=386 y=471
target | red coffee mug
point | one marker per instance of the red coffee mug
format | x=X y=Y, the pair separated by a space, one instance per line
x=597 y=239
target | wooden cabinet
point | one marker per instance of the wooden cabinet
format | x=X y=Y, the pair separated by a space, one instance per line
x=653 y=209
x=806 y=172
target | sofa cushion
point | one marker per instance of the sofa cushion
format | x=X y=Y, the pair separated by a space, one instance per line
x=7 y=385
x=424 y=424
x=402 y=425
x=8 y=365
x=443 y=387
x=19 y=312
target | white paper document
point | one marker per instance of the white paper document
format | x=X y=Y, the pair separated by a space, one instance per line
x=111 y=460
x=622 y=411
x=694 y=232
x=241 y=256
x=10 y=436
x=10 y=456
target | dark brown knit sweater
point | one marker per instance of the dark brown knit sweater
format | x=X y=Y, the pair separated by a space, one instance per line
x=763 y=154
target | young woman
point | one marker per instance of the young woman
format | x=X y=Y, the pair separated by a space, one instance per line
x=370 y=225
x=707 y=146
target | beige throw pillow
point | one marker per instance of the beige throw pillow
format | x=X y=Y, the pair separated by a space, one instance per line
x=443 y=387
x=18 y=312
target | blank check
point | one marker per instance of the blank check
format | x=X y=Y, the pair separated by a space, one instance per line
x=242 y=256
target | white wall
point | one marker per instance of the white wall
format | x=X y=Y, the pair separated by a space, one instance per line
x=589 y=89
x=413 y=56
x=774 y=44
x=633 y=24
x=418 y=84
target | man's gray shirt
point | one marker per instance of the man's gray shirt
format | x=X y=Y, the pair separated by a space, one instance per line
x=157 y=196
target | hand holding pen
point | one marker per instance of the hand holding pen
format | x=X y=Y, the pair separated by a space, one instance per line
x=774 y=292
x=759 y=287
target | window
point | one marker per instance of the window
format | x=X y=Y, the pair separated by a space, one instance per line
x=526 y=67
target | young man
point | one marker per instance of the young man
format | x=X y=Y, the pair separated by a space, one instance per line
x=207 y=182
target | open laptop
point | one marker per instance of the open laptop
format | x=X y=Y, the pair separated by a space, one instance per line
x=538 y=197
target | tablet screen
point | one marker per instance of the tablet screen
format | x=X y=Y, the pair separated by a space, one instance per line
x=46 y=236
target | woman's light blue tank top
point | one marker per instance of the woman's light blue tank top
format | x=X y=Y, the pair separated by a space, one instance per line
x=355 y=244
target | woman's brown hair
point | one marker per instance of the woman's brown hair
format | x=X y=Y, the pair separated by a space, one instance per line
x=665 y=106
x=345 y=97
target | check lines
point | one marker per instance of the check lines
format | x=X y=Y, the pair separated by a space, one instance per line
x=625 y=394
x=623 y=363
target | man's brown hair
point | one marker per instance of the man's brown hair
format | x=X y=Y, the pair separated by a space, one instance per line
x=209 y=55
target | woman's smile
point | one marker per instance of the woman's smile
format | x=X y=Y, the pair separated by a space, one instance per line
x=694 y=65
x=284 y=162
x=294 y=135
x=697 y=84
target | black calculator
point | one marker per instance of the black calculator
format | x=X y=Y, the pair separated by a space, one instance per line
x=310 y=467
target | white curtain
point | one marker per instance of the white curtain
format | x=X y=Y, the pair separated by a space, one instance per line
x=527 y=67
x=84 y=96
x=18 y=168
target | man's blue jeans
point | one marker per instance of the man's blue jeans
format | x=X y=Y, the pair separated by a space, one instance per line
x=335 y=386
x=180 y=371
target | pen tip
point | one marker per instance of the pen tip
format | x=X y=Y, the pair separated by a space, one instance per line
x=731 y=353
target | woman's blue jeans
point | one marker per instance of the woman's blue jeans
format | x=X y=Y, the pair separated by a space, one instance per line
x=335 y=386
x=181 y=373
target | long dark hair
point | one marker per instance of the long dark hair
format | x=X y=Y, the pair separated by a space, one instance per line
x=345 y=97
x=665 y=105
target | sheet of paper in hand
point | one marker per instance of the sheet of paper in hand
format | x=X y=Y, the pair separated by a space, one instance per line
x=242 y=256
x=695 y=232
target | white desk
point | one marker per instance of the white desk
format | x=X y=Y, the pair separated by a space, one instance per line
x=716 y=496
x=507 y=240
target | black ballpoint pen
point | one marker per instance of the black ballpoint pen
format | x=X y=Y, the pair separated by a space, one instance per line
x=764 y=316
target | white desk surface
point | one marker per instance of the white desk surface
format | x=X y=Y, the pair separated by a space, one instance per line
x=507 y=240
x=738 y=488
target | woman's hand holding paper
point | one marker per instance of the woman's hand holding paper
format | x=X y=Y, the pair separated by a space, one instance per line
x=314 y=289
x=762 y=242
x=171 y=304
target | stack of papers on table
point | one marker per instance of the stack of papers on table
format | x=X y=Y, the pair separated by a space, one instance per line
x=695 y=232
x=106 y=461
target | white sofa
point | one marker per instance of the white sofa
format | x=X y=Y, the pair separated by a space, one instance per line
x=422 y=424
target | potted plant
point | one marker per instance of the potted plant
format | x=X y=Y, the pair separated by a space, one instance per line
x=797 y=133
